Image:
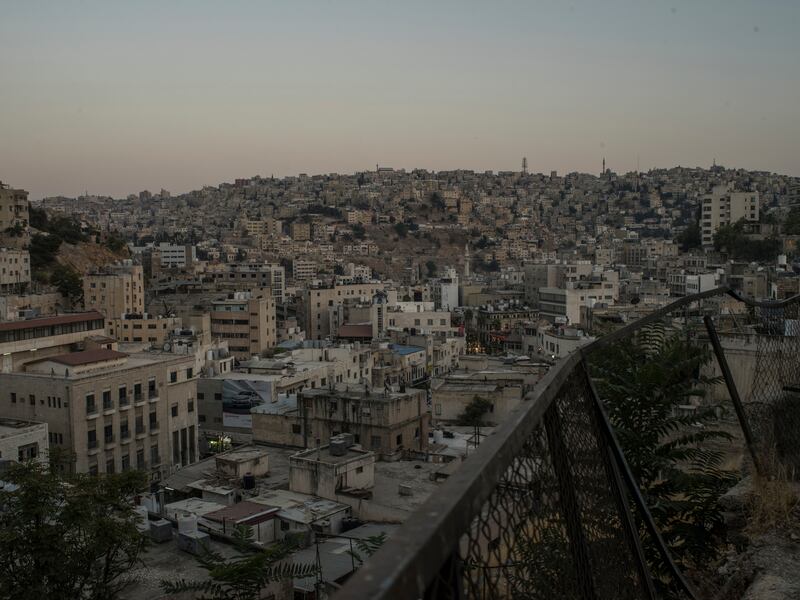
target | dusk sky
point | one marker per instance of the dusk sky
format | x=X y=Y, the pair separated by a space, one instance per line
x=117 y=97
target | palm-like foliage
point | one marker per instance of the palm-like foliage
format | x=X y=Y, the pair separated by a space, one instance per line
x=244 y=576
x=367 y=547
x=643 y=381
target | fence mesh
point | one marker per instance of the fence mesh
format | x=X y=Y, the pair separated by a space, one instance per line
x=561 y=523
x=772 y=404
x=556 y=525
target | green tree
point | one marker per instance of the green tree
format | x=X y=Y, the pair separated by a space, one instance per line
x=474 y=412
x=67 y=536
x=244 y=576
x=643 y=382
x=432 y=268
x=690 y=237
x=791 y=226
x=68 y=282
x=359 y=232
x=401 y=229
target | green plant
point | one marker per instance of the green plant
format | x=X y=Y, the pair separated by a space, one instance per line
x=474 y=412
x=67 y=536
x=645 y=382
x=244 y=576
x=367 y=547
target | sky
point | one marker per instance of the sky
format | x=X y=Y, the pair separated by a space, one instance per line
x=115 y=97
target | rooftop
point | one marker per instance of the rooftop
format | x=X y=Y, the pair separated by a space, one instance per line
x=51 y=321
x=84 y=357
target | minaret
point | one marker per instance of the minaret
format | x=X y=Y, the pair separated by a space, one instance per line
x=466 y=260
x=604 y=166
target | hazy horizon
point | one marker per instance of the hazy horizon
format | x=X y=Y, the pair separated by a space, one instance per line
x=115 y=97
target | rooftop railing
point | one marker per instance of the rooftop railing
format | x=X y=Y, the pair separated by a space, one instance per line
x=548 y=507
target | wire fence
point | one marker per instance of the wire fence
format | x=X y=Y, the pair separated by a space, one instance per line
x=548 y=507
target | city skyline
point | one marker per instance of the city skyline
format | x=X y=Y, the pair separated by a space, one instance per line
x=114 y=98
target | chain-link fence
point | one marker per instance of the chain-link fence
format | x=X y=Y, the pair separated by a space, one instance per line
x=549 y=507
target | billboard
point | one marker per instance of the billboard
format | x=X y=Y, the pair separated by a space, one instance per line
x=239 y=396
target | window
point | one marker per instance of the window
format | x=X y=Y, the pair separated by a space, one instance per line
x=399 y=439
x=110 y=465
x=13 y=398
x=217 y=396
x=189 y=373
x=107 y=404
x=174 y=410
x=151 y=388
x=201 y=395
x=32 y=399
x=91 y=439
x=375 y=441
x=201 y=418
x=359 y=469
x=90 y=405
x=173 y=376
x=296 y=428
x=108 y=434
x=137 y=392
x=190 y=406
x=123 y=395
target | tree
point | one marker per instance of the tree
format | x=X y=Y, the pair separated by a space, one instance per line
x=792 y=224
x=244 y=576
x=690 y=237
x=401 y=229
x=68 y=282
x=474 y=412
x=643 y=381
x=67 y=536
x=359 y=232
x=432 y=267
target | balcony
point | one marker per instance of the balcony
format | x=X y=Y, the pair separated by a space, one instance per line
x=91 y=411
x=152 y=396
x=124 y=436
x=548 y=507
x=92 y=446
x=154 y=427
x=138 y=399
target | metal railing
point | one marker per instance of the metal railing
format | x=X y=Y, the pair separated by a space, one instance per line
x=547 y=507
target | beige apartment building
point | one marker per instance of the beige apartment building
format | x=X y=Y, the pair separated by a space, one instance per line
x=15 y=269
x=32 y=339
x=112 y=410
x=115 y=291
x=13 y=207
x=320 y=304
x=247 y=321
x=143 y=328
x=723 y=206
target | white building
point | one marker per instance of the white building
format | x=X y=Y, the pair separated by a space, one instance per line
x=172 y=256
x=723 y=207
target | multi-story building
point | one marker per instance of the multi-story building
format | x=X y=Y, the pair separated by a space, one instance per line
x=143 y=328
x=32 y=339
x=111 y=410
x=320 y=304
x=386 y=422
x=13 y=207
x=723 y=206
x=172 y=256
x=115 y=291
x=301 y=232
x=253 y=275
x=246 y=320
x=23 y=440
x=15 y=269
x=303 y=270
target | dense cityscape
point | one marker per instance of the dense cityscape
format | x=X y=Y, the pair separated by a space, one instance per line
x=312 y=356
x=399 y=300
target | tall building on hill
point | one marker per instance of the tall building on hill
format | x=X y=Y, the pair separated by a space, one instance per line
x=723 y=206
x=13 y=207
x=115 y=290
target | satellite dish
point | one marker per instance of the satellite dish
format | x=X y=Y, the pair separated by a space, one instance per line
x=167 y=347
